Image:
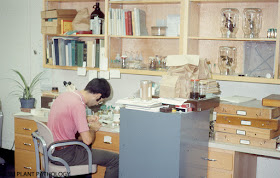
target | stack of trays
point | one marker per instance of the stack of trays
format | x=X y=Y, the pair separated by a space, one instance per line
x=247 y=123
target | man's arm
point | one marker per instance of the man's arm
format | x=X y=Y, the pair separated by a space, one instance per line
x=88 y=136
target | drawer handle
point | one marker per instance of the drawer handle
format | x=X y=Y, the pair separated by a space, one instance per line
x=26 y=128
x=208 y=159
x=27 y=167
x=27 y=144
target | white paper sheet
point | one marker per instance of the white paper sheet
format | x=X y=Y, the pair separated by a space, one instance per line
x=115 y=73
x=180 y=60
x=104 y=74
x=81 y=71
x=92 y=74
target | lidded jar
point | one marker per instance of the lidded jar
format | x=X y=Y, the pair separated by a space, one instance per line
x=229 y=22
x=227 y=60
x=252 y=22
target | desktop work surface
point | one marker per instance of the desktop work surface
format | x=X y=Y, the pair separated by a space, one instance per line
x=156 y=147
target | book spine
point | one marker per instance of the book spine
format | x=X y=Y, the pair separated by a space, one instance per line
x=126 y=23
x=97 y=54
x=129 y=23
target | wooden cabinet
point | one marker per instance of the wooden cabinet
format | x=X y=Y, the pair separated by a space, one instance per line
x=105 y=141
x=24 y=149
x=230 y=164
x=199 y=34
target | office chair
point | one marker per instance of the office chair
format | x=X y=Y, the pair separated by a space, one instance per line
x=44 y=145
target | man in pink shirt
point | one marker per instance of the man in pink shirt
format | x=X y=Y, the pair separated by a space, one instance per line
x=68 y=117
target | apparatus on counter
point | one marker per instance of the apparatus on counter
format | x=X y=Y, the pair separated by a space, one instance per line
x=146 y=90
x=229 y=22
x=252 y=22
x=227 y=60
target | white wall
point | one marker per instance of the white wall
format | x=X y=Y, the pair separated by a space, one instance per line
x=20 y=35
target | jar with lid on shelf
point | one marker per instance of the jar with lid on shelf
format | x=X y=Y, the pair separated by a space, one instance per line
x=229 y=22
x=227 y=60
x=252 y=22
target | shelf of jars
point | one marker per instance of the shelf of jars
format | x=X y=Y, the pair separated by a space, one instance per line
x=237 y=78
x=146 y=37
x=73 y=0
x=233 y=0
x=147 y=2
x=232 y=39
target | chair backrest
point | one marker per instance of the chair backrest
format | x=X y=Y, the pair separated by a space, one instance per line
x=44 y=132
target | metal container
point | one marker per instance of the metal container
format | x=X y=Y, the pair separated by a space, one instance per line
x=146 y=90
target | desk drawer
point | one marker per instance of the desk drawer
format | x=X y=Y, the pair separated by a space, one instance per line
x=222 y=159
x=25 y=163
x=24 y=142
x=218 y=173
x=25 y=126
x=107 y=141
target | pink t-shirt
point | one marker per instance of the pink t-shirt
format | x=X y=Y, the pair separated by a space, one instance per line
x=68 y=116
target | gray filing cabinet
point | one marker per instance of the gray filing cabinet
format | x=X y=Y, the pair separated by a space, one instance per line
x=163 y=145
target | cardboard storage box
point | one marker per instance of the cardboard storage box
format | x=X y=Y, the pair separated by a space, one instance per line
x=52 y=26
x=58 y=13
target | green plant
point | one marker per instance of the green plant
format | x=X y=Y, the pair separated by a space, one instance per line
x=25 y=91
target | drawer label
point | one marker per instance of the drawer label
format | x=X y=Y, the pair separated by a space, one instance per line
x=245 y=122
x=240 y=132
x=108 y=139
x=245 y=142
x=242 y=113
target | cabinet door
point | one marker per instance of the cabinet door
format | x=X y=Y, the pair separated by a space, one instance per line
x=25 y=163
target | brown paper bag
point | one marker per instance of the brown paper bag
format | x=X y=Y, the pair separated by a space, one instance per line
x=82 y=21
x=169 y=87
x=204 y=70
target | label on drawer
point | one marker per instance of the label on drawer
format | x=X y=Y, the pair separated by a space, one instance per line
x=107 y=139
x=240 y=132
x=242 y=113
x=245 y=142
x=245 y=122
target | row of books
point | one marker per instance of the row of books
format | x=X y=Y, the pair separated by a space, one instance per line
x=127 y=22
x=64 y=51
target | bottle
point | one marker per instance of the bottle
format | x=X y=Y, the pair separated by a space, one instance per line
x=194 y=90
x=96 y=20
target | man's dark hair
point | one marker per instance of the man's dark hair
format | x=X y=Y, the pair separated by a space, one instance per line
x=99 y=86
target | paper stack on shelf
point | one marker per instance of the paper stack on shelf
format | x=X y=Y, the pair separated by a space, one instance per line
x=212 y=86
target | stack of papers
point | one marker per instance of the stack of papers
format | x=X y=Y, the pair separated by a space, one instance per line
x=153 y=105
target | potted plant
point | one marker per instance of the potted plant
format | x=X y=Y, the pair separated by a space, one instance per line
x=25 y=91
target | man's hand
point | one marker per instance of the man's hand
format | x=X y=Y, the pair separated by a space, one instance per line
x=93 y=122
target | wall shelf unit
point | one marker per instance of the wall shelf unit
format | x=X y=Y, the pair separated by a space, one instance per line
x=199 y=32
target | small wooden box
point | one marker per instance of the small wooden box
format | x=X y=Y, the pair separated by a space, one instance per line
x=204 y=104
x=247 y=131
x=252 y=109
x=245 y=140
x=272 y=124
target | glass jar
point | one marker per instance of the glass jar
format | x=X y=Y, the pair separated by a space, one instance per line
x=202 y=90
x=252 y=22
x=153 y=63
x=227 y=60
x=229 y=22
x=194 y=90
x=123 y=61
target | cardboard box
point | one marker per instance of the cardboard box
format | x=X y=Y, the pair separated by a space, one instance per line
x=52 y=26
x=58 y=13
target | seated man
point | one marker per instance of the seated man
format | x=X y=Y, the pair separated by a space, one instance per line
x=68 y=116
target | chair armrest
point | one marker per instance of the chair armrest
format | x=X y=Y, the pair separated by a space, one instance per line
x=53 y=145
